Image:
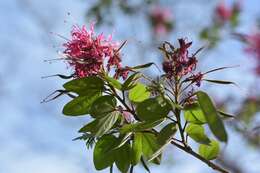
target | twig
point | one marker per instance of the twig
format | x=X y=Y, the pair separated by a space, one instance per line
x=194 y=154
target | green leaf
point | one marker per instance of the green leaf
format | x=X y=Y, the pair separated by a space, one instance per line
x=144 y=164
x=226 y=115
x=143 y=66
x=131 y=81
x=123 y=139
x=220 y=82
x=163 y=139
x=194 y=114
x=104 y=155
x=144 y=144
x=136 y=149
x=102 y=106
x=210 y=151
x=100 y=126
x=140 y=126
x=153 y=109
x=80 y=105
x=139 y=93
x=150 y=146
x=115 y=83
x=122 y=158
x=166 y=133
x=214 y=121
x=197 y=133
x=83 y=86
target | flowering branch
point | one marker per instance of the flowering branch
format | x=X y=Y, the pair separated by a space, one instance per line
x=127 y=113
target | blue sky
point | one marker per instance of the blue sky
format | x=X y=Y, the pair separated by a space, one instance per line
x=37 y=137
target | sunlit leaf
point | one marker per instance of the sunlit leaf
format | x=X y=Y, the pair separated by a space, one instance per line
x=150 y=146
x=197 y=133
x=139 y=93
x=131 y=81
x=194 y=114
x=115 y=83
x=137 y=149
x=210 y=151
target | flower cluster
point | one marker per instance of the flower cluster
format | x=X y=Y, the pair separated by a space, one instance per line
x=178 y=62
x=253 y=47
x=87 y=52
x=161 y=20
x=224 y=13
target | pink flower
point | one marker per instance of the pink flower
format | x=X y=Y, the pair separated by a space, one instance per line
x=87 y=52
x=127 y=116
x=161 y=14
x=122 y=72
x=253 y=44
x=253 y=47
x=180 y=63
x=161 y=20
x=197 y=78
x=223 y=12
x=257 y=69
x=160 y=29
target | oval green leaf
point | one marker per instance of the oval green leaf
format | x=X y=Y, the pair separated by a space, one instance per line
x=214 y=121
x=194 y=114
x=104 y=155
x=166 y=133
x=80 y=105
x=83 y=86
x=136 y=149
x=139 y=93
x=153 y=109
x=150 y=146
x=197 y=133
x=210 y=151
x=101 y=126
x=122 y=158
x=102 y=106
